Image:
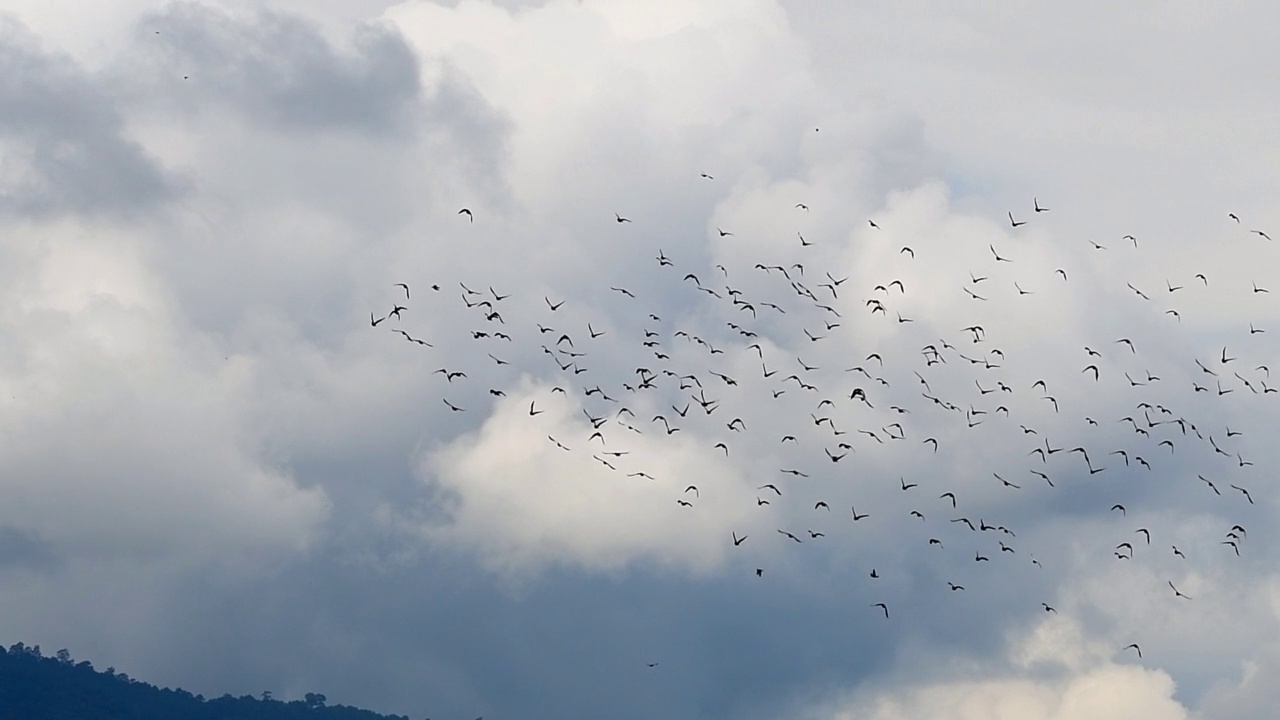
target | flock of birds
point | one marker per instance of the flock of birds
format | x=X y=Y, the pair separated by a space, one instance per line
x=895 y=400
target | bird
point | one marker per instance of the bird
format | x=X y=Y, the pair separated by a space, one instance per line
x=1015 y=223
x=1242 y=492
x=1133 y=646
x=884 y=607
x=467 y=212
x=1007 y=483
x=1036 y=203
x=621 y=219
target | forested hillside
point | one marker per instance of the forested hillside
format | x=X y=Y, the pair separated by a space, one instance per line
x=36 y=687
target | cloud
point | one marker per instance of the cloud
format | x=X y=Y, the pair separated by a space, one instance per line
x=198 y=410
x=1079 y=685
x=159 y=466
x=277 y=69
x=524 y=503
x=66 y=145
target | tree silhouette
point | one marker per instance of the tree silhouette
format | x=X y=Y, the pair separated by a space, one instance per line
x=34 y=687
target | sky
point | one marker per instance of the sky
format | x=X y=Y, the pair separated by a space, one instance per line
x=756 y=308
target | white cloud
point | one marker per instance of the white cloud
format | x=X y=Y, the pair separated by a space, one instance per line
x=523 y=503
x=124 y=431
x=1080 y=685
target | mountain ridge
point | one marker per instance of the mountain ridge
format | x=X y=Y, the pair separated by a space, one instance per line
x=38 y=687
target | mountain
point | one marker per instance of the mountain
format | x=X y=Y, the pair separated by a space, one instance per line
x=35 y=687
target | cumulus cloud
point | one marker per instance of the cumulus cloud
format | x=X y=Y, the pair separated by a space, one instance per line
x=1058 y=675
x=523 y=502
x=200 y=219
x=158 y=463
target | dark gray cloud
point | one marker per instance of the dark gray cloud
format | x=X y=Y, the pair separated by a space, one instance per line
x=21 y=548
x=66 y=145
x=280 y=69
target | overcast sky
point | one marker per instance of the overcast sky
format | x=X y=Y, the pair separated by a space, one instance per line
x=218 y=474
